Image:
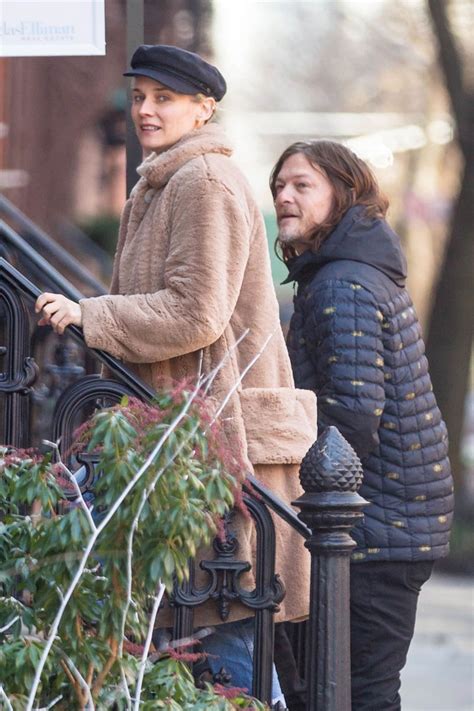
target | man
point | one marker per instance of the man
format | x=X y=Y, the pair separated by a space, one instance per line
x=355 y=341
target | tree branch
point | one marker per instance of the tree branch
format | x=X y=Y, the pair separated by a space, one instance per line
x=71 y=668
x=74 y=683
x=114 y=647
x=9 y=624
x=5 y=698
x=146 y=649
x=90 y=674
x=239 y=379
x=452 y=67
x=72 y=479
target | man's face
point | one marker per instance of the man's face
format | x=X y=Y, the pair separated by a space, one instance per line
x=304 y=197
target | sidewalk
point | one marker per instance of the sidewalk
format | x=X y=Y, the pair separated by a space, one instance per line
x=439 y=675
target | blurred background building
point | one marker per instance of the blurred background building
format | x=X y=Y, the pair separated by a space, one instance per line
x=394 y=80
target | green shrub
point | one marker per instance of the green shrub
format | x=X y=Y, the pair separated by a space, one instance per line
x=80 y=589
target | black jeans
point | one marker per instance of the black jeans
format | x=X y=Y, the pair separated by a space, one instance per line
x=384 y=597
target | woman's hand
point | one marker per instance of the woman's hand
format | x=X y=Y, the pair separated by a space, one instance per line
x=58 y=311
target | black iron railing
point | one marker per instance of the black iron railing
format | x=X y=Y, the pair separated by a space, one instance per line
x=330 y=475
x=39 y=251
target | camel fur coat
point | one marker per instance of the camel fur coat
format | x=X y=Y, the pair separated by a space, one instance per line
x=191 y=274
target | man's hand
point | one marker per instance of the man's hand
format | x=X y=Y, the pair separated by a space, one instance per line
x=58 y=311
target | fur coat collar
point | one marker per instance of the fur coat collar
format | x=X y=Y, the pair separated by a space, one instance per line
x=157 y=169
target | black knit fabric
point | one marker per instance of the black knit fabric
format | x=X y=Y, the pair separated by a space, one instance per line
x=355 y=341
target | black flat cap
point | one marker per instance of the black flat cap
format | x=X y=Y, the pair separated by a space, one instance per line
x=178 y=69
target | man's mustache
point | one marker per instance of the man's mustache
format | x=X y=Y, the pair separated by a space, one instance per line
x=280 y=215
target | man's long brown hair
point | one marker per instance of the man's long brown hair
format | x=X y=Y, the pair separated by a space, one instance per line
x=351 y=178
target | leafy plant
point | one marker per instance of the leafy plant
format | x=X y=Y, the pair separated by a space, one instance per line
x=81 y=586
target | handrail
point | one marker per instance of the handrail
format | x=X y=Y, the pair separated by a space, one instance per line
x=138 y=386
x=46 y=244
x=277 y=505
x=57 y=279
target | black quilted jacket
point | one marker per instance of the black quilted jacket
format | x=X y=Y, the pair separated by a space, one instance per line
x=355 y=341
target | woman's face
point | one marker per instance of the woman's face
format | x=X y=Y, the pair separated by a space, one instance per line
x=161 y=116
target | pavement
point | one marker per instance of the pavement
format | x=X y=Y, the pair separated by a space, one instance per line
x=439 y=674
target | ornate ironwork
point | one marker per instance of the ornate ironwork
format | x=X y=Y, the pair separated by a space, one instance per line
x=91 y=391
x=226 y=570
x=19 y=371
x=224 y=588
x=23 y=379
x=82 y=397
x=331 y=465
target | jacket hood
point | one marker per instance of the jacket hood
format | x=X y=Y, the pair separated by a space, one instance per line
x=357 y=238
x=157 y=169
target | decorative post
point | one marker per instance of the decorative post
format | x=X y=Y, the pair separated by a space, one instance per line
x=330 y=474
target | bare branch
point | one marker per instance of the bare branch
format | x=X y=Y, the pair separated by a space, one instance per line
x=72 y=680
x=156 y=606
x=201 y=360
x=125 y=688
x=5 y=698
x=129 y=599
x=209 y=379
x=9 y=624
x=114 y=647
x=73 y=481
x=240 y=378
x=80 y=679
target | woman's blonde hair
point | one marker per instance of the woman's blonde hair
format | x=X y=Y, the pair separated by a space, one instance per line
x=198 y=98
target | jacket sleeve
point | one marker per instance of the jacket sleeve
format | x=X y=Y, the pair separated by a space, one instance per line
x=343 y=336
x=207 y=257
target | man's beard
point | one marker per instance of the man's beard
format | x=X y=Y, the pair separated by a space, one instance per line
x=290 y=238
x=293 y=239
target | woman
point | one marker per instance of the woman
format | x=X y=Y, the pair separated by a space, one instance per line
x=355 y=341
x=191 y=274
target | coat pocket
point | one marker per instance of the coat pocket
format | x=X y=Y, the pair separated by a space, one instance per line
x=280 y=424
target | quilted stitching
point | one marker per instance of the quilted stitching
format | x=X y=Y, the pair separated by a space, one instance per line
x=357 y=344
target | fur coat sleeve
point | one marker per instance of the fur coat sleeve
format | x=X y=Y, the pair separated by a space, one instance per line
x=121 y=240
x=206 y=260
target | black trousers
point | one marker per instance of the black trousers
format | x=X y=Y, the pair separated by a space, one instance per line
x=384 y=597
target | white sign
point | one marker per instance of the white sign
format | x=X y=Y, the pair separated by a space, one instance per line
x=48 y=28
